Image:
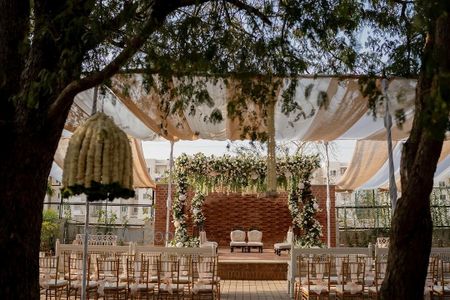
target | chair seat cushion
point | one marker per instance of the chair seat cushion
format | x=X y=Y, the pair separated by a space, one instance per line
x=349 y=288
x=120 y=286
x=255 y=244
x=282 y=246
x=238 y=244
x=172 y=287
x=143 y=286
x=58 y=283
x=209 y=244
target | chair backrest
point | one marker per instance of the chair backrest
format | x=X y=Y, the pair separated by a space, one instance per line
x=138 y=272
x=48 y=269
x=290 y=237
x=237 y=236
x=108 y=269
x=319 y=275
x=353 y=271
x=203 y=238
x=203 y=272
x=75 y=269
x=169 y=272
x=380 y=272
x=254 y=236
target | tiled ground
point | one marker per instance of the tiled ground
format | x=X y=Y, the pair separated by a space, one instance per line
x=254 y=290
x=250 y=290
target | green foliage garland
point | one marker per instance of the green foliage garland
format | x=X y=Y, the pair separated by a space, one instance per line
x=196 y=209
x=243 y=173
x=181 y=238
x=309 y=225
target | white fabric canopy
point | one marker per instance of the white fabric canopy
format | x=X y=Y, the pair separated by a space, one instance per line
x=368 y=168
x=139 y=112
x=346 y=117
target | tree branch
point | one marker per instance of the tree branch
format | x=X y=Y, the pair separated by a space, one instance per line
x=66 y=96
x=251 y=10
x=129 y=10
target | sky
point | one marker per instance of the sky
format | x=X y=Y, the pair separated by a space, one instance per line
x=342 y=151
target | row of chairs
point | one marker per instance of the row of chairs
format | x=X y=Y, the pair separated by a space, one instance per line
x=359 y=277
x=150 y=276
x=345 y=277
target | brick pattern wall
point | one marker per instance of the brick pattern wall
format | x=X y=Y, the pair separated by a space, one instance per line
x=225 y=212
x=252 y=271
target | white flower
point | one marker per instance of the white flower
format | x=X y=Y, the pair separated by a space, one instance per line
x=254 y=175
x=179 y=244
x=176 y=224
x=288 y=174
x=196 y=211
x=182 y=197
x=315 y=206
x=301 y=185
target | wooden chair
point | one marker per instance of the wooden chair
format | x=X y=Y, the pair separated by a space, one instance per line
x=139 y=279
x=441 y=288
x=352 y=280
x=380 y=272
x=108 y=274
x=169 y=286
x=75 y=277
x=152 y=259
x=203 y=278
x=302 y=275
x=49 y=280
x=317 y=285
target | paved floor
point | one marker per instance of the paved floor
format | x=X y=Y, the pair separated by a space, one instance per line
x=249 y=290
x=254 y=289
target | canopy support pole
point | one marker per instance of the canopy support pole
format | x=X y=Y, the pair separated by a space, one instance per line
x=86 y=218
x=328 y=202
x=85 y=251
x=169 y=193
x=388 y=126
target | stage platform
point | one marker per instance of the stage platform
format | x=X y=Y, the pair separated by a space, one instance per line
x=252 y=265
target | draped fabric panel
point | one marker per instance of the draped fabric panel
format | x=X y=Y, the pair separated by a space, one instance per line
x=368 y=168
x=147 y=114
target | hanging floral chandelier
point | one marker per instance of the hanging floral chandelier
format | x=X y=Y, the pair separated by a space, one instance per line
x=98 y=161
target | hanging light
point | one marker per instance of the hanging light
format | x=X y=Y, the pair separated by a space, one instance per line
x=98 y=161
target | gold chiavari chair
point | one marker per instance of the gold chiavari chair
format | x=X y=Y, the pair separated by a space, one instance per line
x=139 y=279
x=169 y=286
x=108 y=274
x=75 y=277
x=352 y=280
x=380 y=272
x=49 y=280
x=317 y=285
x=203 y=278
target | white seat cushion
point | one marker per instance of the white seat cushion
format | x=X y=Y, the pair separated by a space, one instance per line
x=282 y=246
x=255 y=244
x=238 y=244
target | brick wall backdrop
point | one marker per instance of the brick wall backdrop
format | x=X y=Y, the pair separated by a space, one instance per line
x=227 y=212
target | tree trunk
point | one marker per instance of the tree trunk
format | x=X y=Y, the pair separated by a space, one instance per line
x=411 y=233
x=26 y=163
